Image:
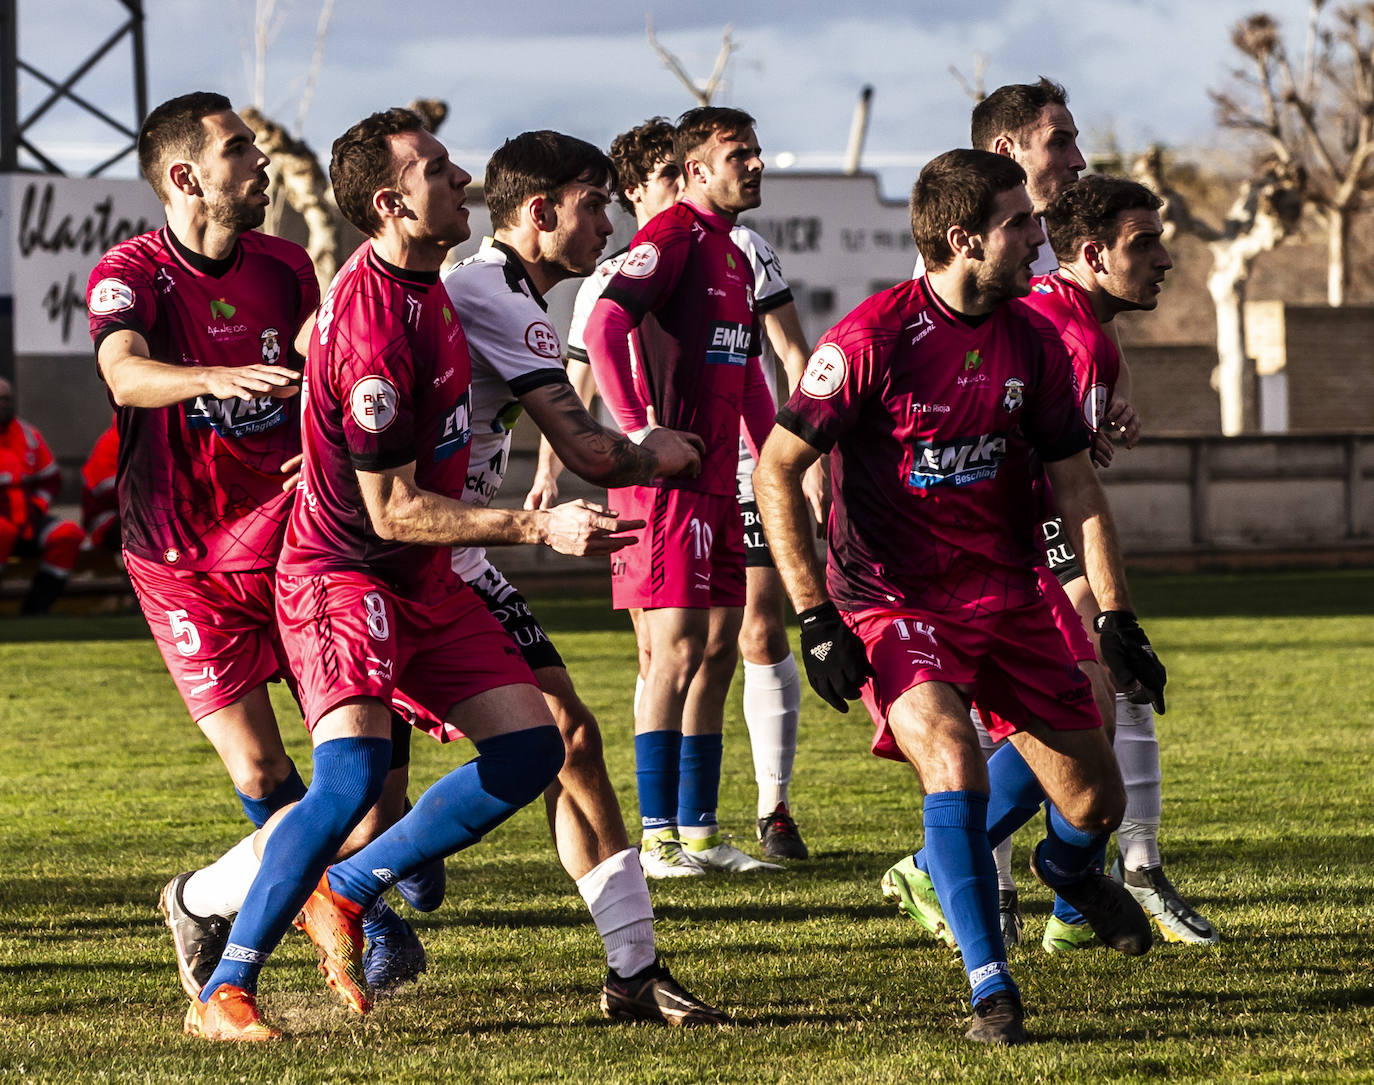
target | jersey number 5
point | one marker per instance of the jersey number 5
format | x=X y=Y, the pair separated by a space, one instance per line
x=182 y=628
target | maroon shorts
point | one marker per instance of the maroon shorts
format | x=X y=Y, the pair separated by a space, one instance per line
x=1016 y=662
x=217 y=632
x=1066 y=618
x=348 y=634
x=690 y=552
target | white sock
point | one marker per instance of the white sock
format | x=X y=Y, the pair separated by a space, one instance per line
x=1001 y=854
x=639 y=692
x=219 y=888
x=1137 y=752
x=697 y=832
x=618 y=898
x=772 y=698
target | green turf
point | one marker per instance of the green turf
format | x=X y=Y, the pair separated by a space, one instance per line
x=106 y=790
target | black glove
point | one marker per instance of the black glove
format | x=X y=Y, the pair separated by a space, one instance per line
x=835 y=658
x=1127 y=652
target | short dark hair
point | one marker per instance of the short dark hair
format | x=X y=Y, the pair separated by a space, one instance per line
x=361 y=162
x=635 y=154
x=696 y=127
x=540 y=163
x=1088 y=211
x=173 y=129
x=958 y=188
x=1010 y=110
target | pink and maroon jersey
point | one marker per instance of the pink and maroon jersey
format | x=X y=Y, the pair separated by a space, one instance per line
x=695 y=350
x=200 y=482
x=1095 y=360
x=929 y=420
x=386 y=384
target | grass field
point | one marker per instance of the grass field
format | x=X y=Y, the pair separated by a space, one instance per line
x=106 y=790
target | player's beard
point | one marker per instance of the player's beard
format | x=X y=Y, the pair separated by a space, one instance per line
x=234 y=212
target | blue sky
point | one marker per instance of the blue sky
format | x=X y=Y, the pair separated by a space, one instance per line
x=1136 y=71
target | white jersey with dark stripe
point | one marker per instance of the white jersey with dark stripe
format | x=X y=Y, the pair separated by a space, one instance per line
x=770 y=292
x=514 y=349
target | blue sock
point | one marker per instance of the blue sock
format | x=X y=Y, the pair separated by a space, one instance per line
x=346 y=783
x=509 y=771
x=698 y=792
x=381 y=919
x=656 y=777
x=1014 y=797
x=1067 y=912
x=1067 y=853
x=965 y=877
x=290 y=790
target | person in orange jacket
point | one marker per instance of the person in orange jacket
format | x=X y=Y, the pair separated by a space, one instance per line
x=31 y=482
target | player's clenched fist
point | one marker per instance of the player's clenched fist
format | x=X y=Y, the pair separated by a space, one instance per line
x=836 y=663
x=579 y=528
x=677 y=452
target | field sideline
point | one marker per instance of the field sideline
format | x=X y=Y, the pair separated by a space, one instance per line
x=107 y=790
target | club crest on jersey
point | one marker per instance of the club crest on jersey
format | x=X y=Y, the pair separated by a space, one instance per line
x=1013 y=394
x=271 y=346
x=543 y=340
x=826 y=372
x=729 y=343
x=374 y=403
x=641 y=261
x=457 y=431
x=110 y=296
x=959 y=463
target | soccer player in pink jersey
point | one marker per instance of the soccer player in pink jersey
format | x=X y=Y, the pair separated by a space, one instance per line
x=1112 y=259
x=372 y=615
x=930 y=398
x=685 y=291
x=1029 y=123
x=650 y=182
x=199 y=328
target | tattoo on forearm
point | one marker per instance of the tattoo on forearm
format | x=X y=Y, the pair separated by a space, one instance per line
x=628 y=464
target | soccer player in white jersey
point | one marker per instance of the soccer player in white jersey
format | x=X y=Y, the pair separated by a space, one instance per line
x=650 y=182
x=547 y=194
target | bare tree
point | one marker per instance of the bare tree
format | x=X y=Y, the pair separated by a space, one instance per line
x=316 y=63
x=703 y=92
x=295 y=176
x=1321 y=118
x=974 y=86
x=1267 y=209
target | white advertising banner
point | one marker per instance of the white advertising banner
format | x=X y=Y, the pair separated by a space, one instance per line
x=56 y=228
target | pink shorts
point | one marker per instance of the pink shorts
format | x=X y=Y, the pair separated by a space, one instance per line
x=217 y=632
x=1066 y=618
x=1016 y=661
x=690 y=552
x=347 y=634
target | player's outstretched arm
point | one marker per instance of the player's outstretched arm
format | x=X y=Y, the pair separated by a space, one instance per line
x=1087 y=518
x=600 y=455
x=836 y=662
x=137 y=380
x=401 y=511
